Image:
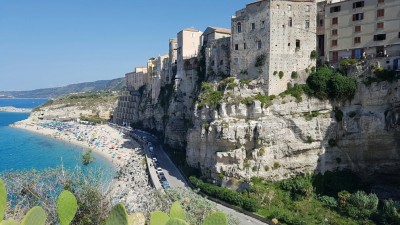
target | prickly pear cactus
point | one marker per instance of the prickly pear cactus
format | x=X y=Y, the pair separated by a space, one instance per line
x=35 y=216
x=117 y=216
x=3 y=199
x=158 y=218
x=176 y=221
x=217 y=218
x=177 y=211
x=137 y=219
x=66 y=207
x=9 y=222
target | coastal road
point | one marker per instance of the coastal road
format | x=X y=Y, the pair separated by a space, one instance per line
x=176 y=179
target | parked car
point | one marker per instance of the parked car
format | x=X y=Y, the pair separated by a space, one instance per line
x=165 y=185
x=159 y=170
x=154 y=159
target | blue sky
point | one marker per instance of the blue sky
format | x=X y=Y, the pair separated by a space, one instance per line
x=50 y=43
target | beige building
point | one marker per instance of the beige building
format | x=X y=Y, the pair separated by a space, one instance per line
x=363 y=29
x=136 y=79
x=271 y=39
x=172 y=60
x=216 y=42
x=188 y=47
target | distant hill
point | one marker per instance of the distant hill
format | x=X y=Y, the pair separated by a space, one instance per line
x=100 y=85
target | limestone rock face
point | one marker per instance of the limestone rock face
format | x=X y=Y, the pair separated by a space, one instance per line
x=290 y=138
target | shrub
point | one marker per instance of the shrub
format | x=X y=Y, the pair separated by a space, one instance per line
x=299 y=187
x=281 y=74
x=314 y=54
x=244 y=82
x=275 y=73
x=276 y=165
x=247 y=101
x=227 y=195
x=227 y=83
x=266 y=168
x=264 y=99
x=362 y=205
x=343 y=197
x=294 y=75
x=390 y=212
x=346 y=64
x=296 y=91
x=260 y=60
x=328 y=201
x=254 y=169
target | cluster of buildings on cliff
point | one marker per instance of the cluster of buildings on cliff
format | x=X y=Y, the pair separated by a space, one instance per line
x=271 y=39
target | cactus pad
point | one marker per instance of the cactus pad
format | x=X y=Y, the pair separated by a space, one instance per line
x=176 y=221
x=117 y=216
x=158 y=218
x=66 y=207
x=35 y=216
x=137 y=219
x=9 y=222
x=177 y=211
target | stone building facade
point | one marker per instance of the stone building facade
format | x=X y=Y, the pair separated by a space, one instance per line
x=135 y=80
x=363 y=29
x=271 y=39
x=188 y=44
x=216 y=42
x=172 y=60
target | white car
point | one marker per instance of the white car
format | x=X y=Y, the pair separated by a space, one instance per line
x=159 y=170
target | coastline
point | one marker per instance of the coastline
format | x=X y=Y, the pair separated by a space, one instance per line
x=117 y=161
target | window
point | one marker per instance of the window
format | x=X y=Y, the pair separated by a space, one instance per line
x=380 y=12
x=380 y=25
x=239 y=27
x=212 y=63
x=379 y=37
x=335 y=9
x=193 y=35
x=307 y=24
x=253 y=26
x=357 y=29
x=357 y=40
x=399 y=34
x=335 y=56
x=358 y=16
x=334 y=21
x=334 y=42
x=289 y=7
x=381 y=1
x=236 y=47
x=334 y=32
x=263 y=24
x=358 y=4
x=244 y=46
x=277 y=6
x=297 y=43
x=321 y=22
x=221 y=62
x=290 y=23
x=258 y=44
x=307 y=8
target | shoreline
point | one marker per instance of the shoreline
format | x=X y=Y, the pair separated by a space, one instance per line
x=116 y=161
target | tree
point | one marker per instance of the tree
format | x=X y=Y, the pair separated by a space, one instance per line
x=87 y=157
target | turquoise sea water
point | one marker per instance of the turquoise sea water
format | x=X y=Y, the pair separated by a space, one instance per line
x=22 y=150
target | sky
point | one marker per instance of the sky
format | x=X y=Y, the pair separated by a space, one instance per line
x=52 y=43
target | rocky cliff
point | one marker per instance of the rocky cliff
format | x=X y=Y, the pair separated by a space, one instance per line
x=242 y=138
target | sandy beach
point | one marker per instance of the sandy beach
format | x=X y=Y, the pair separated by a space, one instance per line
x=131 y=185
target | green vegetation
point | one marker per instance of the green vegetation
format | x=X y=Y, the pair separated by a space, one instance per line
x=281 y=74
x=265 y=100
x=276 y=166
x=243 y=71
x=309 y=116
x=314 y=54
x=294 y=75
x=324 y=84
x=346 y=64
x=296 y=91
x=227 y=83
x=93 y=119
x=381 y=75
x=275 y=73
x=227 y=195
x=208 y=96
x=68 y=213
x=243 y=82
x=260 y=60
x=87 y=157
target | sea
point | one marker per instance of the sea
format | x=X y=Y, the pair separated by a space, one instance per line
x=24 y=150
